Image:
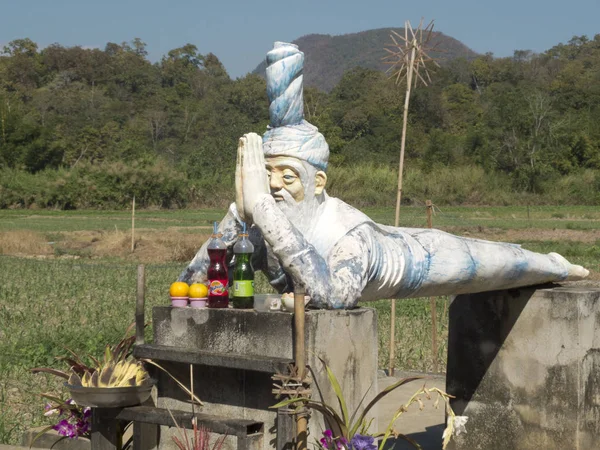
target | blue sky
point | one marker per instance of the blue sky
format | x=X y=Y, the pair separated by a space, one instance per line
x=240 y=32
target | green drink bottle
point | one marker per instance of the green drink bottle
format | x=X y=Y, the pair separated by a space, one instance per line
x=243 y=273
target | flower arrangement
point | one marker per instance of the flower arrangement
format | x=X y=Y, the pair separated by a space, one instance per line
x=75 y=421
x=351 y=431
x=116 y=369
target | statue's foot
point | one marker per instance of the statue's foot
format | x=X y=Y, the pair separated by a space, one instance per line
x=575 y=272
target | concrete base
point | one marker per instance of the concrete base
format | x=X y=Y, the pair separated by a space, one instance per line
x=346 y=340
x=524 y=366
x=51 y=439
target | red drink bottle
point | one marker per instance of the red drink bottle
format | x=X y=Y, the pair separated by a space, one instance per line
x=218 y=294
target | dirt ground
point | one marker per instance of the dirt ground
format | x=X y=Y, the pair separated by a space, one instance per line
x=527 y=234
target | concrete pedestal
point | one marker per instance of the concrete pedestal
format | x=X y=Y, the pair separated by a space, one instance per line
x=524 y=366
x=346 y=340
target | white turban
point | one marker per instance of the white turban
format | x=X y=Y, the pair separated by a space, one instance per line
x=288 y=133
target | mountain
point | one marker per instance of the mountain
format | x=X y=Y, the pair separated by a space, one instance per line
x=327 y=57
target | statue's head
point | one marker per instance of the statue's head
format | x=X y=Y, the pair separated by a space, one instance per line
x=296 y=154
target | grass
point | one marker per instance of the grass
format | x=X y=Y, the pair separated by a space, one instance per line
x=504 y=217
x=47 y=305
x=85 y=303
x=50 y=221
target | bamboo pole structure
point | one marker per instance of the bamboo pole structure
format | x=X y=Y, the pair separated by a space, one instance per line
x=133 y=224
x=300 y=361
x=432 y=302
x=409 y=76
x=139 y=307
x=399 y=198
x=407 y=58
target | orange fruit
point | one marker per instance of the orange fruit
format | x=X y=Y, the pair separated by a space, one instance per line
x=198 y=290
x=179 y=289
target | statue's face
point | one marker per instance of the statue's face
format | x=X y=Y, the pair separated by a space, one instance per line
x=286 y=174
x=296 y=186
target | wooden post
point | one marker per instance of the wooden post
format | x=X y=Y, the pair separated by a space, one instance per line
x=139 y=308
x=133 y=225
x=300 y=360
x=105 y=430
x=392 y=338
x=432 y=303
x=429 y=213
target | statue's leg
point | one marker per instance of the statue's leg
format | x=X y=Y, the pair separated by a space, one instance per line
x=461 y=265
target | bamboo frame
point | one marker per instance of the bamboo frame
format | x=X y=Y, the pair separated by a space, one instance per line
x=408 y=57
x=432 y=302
x=300 y=361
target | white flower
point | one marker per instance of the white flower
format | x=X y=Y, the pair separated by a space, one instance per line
x=459 y=424
x=51 y=412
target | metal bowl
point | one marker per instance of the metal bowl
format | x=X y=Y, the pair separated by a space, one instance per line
x=110 y=397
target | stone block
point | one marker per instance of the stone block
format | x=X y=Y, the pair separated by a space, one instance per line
x=51 y=439
x=524 y=365
x=345 y=339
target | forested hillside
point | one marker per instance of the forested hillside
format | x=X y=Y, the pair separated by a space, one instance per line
x=91 y=128
x=329 y=57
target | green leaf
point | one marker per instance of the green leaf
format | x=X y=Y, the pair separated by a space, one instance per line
x=37 y=436
x=287 y=402
x=351 y=421
x=338 y=392
x=58 y=373
x=414 y=443
x=378 y=397
x=333 y=418
x=54 y=398
x=107 y=355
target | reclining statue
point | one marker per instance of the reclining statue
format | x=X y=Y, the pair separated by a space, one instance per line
x=305 y=238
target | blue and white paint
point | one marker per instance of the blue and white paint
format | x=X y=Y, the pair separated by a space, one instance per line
x=334 y=251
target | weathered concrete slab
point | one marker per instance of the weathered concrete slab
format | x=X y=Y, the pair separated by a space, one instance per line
x=51 y=439
x=346 y=340
x=524 y=366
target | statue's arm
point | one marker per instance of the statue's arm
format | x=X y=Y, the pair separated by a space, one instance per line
x=229 y=227
x=332 y=283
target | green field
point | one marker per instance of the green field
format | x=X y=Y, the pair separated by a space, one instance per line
x=83 y=303
x=503 y=217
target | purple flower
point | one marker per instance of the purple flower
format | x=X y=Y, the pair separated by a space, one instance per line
x=360 y=442
x=330 y=443
x=327 y=440
x=64 y=428
x=82 y=427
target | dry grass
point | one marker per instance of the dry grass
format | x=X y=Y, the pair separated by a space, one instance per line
x=24 y=243
x=151 y=246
